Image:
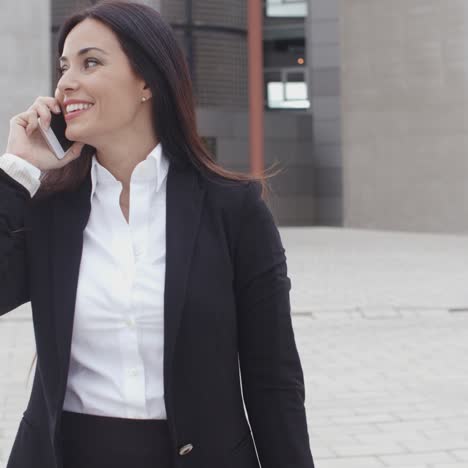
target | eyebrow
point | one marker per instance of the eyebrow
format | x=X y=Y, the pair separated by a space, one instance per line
x=82 y=52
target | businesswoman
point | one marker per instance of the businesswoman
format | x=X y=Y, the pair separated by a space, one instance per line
x=157 y=280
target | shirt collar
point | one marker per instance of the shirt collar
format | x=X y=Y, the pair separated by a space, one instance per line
x=153 y=169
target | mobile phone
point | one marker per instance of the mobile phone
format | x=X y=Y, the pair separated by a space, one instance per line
x=55 y=137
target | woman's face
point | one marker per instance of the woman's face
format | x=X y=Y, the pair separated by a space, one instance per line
x=102 y=77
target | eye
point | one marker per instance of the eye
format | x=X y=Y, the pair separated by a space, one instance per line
x=61 y=70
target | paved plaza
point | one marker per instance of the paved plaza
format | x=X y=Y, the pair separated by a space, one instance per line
x=381 y=324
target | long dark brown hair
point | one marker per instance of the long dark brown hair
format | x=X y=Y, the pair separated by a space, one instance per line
x=156 y=57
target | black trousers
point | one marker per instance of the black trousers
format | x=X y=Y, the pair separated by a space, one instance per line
x=91 y=441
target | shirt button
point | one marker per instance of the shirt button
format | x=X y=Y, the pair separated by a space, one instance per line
x=133 y=371
x=185 y=449
x=138 y=251
x=130 y=322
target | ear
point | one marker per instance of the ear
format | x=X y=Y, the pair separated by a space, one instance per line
x=145 y=88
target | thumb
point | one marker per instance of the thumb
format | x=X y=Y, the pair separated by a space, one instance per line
x=73 y=152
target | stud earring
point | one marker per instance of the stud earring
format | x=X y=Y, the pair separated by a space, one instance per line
x=143 y=99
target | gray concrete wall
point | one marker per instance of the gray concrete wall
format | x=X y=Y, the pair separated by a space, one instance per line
x=24 y=58
x=288 y=142
x=324 y=62
x=405 y=109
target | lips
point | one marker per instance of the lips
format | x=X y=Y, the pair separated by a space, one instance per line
x=74 y=114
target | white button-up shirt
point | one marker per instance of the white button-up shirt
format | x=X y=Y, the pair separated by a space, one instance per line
x=116 y=361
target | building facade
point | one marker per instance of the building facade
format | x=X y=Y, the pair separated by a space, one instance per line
x=364 y=105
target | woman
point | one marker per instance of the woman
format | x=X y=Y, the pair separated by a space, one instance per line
x=157 y=280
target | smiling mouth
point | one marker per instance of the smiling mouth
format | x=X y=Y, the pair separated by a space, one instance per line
x=76 y=113
x=79 y=110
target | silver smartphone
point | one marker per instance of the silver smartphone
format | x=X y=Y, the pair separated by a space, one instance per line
x=55 y=137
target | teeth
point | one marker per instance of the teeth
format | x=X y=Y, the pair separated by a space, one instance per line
x=74 y=107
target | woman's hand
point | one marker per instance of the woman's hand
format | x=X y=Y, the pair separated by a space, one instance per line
x=26 y=141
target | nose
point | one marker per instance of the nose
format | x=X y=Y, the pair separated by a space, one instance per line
x=66 y=84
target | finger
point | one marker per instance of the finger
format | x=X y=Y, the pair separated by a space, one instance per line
x=19 y=119
x=31 y=117
x=43 y=113
x=52 y=103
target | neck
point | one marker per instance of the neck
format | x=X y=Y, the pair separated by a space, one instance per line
x=120 y=160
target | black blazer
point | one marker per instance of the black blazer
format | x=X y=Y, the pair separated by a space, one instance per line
x=226 y=307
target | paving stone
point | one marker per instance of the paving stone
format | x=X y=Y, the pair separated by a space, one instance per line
x=384 y=359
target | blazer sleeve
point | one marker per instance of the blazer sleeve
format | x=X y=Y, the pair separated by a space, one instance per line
x=271 y=371
x=14 y=202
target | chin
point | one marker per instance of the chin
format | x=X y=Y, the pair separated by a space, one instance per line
x=74 y=135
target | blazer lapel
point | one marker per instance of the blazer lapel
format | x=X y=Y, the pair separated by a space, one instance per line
x=184 y=199
x=71 y=213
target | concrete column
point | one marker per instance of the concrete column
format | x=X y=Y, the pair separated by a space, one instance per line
x=405 y=114
x=24 y=57
x=323 y=64
x=255 y=77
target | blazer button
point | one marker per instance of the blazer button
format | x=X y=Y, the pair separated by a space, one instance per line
x=185 y=449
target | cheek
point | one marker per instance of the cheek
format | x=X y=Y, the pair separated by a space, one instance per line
x=115 y=114
x=122 y=93
x=111 y=115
